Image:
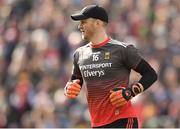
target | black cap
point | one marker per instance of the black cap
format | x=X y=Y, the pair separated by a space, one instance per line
x=91 y=11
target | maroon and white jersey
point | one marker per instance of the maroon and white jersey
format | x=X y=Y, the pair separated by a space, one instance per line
x=104 y=67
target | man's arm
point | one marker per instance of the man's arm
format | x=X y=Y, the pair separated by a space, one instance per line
x=76 y=73
x=73 y=87
x=120 y=96
x=74 y=77
x=148 y=74
x=133 y=60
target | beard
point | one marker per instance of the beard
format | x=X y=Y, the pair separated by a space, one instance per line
x=87 y=35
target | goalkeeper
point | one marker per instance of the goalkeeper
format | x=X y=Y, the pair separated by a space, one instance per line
x=104 y=65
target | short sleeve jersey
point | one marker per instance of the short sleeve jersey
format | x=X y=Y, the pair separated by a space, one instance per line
x=104 y=67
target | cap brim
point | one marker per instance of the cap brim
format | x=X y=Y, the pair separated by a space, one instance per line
x=78 y=16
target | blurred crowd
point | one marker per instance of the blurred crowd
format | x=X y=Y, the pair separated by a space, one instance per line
x=38 y=38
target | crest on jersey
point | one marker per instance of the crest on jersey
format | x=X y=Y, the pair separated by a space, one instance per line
x=107 y=55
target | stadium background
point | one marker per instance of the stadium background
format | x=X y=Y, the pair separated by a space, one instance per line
x=37 y=39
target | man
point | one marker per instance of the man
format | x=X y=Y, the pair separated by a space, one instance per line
x=104 y=64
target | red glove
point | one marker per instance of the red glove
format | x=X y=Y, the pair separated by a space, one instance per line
x=120 y=96
x=72 y=89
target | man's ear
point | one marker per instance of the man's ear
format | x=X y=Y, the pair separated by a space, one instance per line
x=99 y=22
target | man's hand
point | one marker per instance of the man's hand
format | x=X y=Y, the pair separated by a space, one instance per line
x=72 y=89
x=120 y=96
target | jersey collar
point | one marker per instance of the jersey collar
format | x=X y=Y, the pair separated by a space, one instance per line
x=100 y=44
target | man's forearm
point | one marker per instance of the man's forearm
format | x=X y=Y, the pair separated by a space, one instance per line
x=149 y=76
x=73 y=77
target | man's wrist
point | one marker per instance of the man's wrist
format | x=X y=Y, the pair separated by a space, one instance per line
x=127 y=93
x=137 y=88
x=130 y=92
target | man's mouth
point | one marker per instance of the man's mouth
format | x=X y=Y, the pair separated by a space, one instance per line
x=82 y=32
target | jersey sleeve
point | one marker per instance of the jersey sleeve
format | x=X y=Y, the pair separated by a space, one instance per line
x=132 y=57
x=76 y=74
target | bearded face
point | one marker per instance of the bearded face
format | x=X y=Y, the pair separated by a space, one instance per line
x=87 y=28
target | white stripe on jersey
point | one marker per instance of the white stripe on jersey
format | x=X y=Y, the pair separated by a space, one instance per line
x=118 y=43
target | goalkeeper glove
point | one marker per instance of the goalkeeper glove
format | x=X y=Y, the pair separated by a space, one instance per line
x=72 y=89
x=120 y=96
